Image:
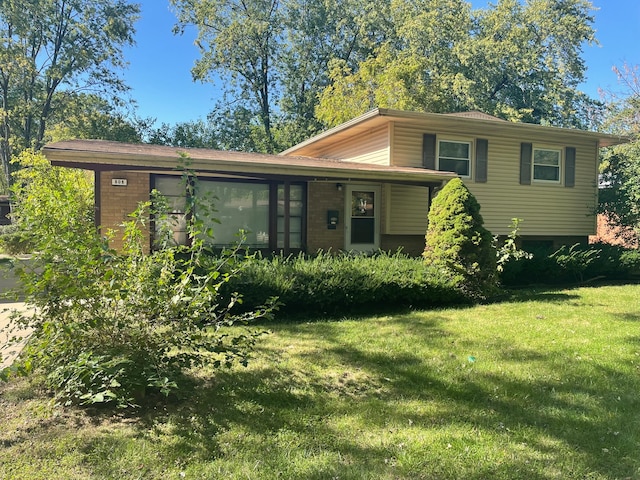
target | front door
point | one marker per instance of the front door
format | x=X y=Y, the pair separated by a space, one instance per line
x=362 y=214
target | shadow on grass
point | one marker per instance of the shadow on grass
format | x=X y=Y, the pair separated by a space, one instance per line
x=579 y=407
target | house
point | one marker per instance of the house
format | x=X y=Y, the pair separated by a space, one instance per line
x=366 y=184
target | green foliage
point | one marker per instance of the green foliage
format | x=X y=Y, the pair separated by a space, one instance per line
x=14 y=240
x=110 y=326
x=49 y=202
x=620 y=165
x=342 y=284
x=509 y=251
x=516 y=60
x=574 y=264
x=48 y=47
x=82 y=115
x=457 y=242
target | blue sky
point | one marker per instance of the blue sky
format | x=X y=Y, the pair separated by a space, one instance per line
x=160 y=64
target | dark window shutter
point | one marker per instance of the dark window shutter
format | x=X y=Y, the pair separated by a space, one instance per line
x=526 y=150
x=482 y=154
x=570 y=167
x=429 y=151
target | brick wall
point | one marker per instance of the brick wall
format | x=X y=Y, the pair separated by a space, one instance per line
x=117 y=202
x=320 y=198
x=411 y=244
x=609 y=233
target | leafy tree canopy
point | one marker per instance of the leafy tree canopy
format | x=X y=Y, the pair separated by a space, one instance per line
x=83 y=115
x=520 y=62
x=49 y=46
x=290 y=68
x=620 y=165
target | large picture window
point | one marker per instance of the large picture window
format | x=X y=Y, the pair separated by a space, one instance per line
x=241 y=207
x=271 y=215
x=546 y=165
x=455 y=157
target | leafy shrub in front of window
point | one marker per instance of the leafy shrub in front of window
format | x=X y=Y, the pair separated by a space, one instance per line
x=112 y=327
x=457 y=243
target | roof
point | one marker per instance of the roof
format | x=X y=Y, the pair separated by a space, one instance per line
x=106 y=155
x=465 y=122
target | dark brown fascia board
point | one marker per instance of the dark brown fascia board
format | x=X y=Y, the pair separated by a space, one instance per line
x=323 y=170
x=380 y=116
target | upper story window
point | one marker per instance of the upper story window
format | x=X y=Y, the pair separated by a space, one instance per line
x=546 y=165
x=455 y=156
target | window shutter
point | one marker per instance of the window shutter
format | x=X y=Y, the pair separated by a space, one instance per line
x=526 y=150
x=570 y=167
x=482 y=154
x=429 y=151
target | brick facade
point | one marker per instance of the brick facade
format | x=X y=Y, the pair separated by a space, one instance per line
x=610 y=233
x=117 y=202
x=322 y=197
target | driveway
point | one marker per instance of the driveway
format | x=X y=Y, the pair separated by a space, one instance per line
x=8 y=354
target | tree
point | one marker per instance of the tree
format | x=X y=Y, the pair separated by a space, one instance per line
x=48 y=200
x=240 y=40
x=49 y=46
x=193 y=134
x=109 y=326
x=517 y=61
x=83 y=115
x=273 y=56
x=620 y=165
x=457 y=242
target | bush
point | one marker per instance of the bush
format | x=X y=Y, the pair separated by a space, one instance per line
x=575 y=264
x=14 y=240
x=340 y=284
x=457 y=242
x=110 y=327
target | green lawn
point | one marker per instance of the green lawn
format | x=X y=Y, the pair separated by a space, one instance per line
x=544 y=386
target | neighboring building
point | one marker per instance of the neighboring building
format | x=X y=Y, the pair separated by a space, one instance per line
x=366 y=184
x=608 y=232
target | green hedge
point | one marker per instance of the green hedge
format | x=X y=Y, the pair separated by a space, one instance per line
x=337 y=284
x=575 y=264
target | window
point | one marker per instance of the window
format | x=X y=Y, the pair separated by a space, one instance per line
x=455 y=157
x=546 y=165
x=272 y=215
x=240 y=206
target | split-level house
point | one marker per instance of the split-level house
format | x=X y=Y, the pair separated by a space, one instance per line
x=364 y=185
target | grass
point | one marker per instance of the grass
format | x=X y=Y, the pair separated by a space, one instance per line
x=543 y=386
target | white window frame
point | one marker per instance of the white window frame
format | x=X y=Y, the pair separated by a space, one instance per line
x=533 y=164
x=468 y=159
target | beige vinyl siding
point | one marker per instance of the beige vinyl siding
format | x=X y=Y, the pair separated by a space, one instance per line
x=371 y=146
x=406 y=145
x=547 y=209
x=407 y=210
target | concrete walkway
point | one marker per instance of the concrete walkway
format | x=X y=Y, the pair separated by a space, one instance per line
x=8 y=354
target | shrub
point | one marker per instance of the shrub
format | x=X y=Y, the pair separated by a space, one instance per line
x=340 y=284
x=111 y=327
x=457 y=242
x=14 y=240
x=47 y=201
x=574 y=264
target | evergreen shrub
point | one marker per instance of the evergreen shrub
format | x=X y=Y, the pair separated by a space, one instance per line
x=458 y=244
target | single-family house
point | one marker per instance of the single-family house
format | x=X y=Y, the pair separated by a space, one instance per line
x=366 y=184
